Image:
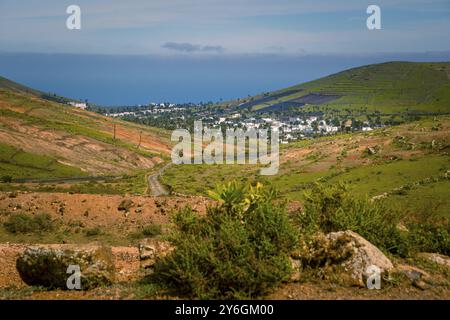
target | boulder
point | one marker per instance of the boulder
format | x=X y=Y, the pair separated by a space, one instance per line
x=363 y=255
x=151 y=249
x=125 y=205
x=47 y=265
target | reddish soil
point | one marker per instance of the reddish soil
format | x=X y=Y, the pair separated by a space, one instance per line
x=99 y=210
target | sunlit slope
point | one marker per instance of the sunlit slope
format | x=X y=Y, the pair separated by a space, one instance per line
x=73 y=141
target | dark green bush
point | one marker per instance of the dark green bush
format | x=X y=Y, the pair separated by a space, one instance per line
x=92 y=232
x=240 y=249
x=22 y=223
x=6 y=179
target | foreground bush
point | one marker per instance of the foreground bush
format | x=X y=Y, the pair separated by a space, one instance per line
x=240 y=249
x=22 y=223
x=334 y=208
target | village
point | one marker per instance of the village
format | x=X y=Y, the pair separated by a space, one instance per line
x=290 y=127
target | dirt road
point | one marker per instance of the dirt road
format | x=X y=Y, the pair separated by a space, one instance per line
x=156 y=188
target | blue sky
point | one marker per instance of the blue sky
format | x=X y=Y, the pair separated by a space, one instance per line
x=132 y=52
x=234 y=26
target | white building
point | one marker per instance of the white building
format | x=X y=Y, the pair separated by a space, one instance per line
x=80 y=105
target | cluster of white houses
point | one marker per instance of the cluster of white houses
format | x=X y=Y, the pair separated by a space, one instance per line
x=292 y=128
x=154 y=108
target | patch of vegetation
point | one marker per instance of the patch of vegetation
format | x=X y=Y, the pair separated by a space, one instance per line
x=198 y=179
x=334 y=208
x=240 y=249
x=23 y=223
x=132 y=184
x=6 y=179
x=15 y=163
x=92 y=232
x=148 y=231
x=152 y=230
x=330 y=209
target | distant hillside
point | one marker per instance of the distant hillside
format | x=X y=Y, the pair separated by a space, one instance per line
x=391 y=87
x=40 y=138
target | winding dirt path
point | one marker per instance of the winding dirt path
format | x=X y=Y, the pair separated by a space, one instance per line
x=155 y=187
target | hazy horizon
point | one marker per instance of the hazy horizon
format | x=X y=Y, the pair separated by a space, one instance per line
x=139 y=79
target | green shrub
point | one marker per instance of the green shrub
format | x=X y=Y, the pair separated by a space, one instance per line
x=429 y=232
x=152 y=230
x=92 y=232
x=240 y=249
x=6 y=179
x=22 y=223
x=334 y=208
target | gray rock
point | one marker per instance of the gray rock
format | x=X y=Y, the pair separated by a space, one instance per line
x=47 y=265
x=151 y=249
x=364 y=254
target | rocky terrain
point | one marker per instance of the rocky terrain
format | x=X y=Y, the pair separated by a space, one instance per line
x=132 y=262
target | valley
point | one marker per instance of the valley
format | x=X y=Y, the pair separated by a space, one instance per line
x=70 y=176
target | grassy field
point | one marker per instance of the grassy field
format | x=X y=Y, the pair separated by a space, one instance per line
x=19 y=164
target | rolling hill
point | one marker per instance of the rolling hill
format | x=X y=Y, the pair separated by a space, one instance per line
x=45 y=139
x=387 y=88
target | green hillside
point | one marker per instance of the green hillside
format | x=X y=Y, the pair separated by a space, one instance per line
x=42 y=139
x=388 y=88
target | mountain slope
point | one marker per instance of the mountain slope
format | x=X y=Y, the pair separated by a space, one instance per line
x=40 y=138
x=391 y=87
